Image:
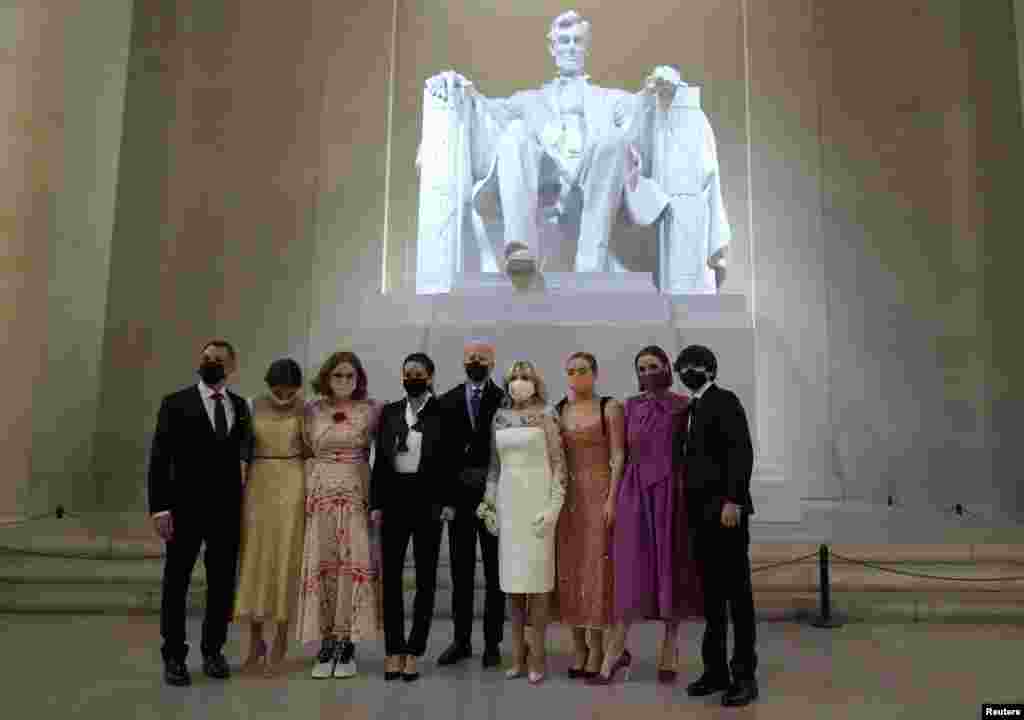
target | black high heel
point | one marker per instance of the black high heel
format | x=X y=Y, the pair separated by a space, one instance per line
x=623 y=663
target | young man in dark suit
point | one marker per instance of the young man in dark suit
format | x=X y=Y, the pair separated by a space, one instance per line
x=198 y=463
x=468 y=410
x=718 y=457
x=411 y=494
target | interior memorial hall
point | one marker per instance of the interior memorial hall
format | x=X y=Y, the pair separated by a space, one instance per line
x=825 y=193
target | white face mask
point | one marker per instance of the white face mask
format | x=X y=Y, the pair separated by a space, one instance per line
x=521 y=390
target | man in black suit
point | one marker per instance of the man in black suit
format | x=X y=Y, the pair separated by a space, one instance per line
x=411 y=494
x=197 y=469
x=468 y=410
x=718 y=457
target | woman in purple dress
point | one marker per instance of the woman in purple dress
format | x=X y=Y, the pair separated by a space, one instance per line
x=655 y=574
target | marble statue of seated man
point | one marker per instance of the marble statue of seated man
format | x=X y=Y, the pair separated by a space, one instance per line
x=581 y=130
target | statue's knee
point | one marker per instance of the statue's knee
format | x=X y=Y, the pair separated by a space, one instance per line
x=612 y=149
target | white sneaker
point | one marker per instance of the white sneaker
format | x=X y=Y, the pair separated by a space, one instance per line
x=345 y=660
x=323 y=666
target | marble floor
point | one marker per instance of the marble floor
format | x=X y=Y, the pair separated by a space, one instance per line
x=105 y=666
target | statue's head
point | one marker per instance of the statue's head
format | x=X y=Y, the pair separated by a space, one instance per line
x=569 y=42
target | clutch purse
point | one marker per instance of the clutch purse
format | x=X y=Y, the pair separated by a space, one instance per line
x=489 y=514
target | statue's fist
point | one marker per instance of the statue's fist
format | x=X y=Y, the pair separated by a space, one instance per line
x=439 y=85
x=663 y=79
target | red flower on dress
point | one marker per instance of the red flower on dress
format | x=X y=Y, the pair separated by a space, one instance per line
x=339 y=417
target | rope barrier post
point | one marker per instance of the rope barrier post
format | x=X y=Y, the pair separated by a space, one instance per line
x=825 y=618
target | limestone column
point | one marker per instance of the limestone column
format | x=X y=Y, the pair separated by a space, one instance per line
x=62 y=69
x=31 y=80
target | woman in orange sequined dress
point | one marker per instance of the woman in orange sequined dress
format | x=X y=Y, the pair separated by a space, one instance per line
x=593 y=433
x=339 y=597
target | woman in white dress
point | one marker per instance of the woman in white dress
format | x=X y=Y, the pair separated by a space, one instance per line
x=525 y=491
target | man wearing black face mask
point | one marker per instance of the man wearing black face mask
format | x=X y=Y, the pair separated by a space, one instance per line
x=468 y=410
x=410 y=495
x=717 y=453
x=198 y=462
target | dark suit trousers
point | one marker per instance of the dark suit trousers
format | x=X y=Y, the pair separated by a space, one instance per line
x=463 y=534
x=220 y=533
x=421 y=523
x=723 y=557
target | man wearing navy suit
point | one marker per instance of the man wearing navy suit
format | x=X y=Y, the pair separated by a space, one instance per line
x=468 y=410
x=197 y=469
x=718 y=457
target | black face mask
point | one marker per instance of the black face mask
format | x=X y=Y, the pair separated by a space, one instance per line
x=656 y=381
x=212 y=373
x=694 y=379
x=415 y=387
x=477 y=372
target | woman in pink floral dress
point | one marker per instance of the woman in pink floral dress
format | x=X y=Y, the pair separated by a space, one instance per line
x=339 y=596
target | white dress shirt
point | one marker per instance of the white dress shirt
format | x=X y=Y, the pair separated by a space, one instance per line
x=206 y=393
x=409 y=461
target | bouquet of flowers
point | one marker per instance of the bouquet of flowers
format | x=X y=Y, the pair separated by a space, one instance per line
x=489 y=514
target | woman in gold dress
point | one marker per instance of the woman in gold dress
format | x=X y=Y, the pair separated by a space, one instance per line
x=273 y=519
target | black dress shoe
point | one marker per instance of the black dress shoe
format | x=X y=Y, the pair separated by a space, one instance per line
x=216 y=666
x=740 y=693
x=175 y=673
x=410 y=677
x=389 y=676
x=491 y=657
x=707 y=685
x=455 y=653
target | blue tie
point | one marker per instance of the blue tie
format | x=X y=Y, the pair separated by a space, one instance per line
x=474 y=404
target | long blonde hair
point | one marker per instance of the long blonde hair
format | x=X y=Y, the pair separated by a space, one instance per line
x=529 y=370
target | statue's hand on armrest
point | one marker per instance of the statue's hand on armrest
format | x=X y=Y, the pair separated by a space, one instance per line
x=717 y=263
x=663 y=82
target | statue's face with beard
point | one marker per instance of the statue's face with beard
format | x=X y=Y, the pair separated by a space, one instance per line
x=569 y=46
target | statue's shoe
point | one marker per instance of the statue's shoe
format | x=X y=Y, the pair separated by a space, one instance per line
x=520 y=261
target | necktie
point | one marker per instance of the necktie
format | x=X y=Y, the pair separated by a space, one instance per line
x=691 y=425
x=474 y=404
x=220 y=417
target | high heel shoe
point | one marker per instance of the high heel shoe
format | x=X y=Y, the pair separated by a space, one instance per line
x=623 y=663
x=413 y=675
x=667 y=676
x=575 y=673
x=390 y=663
x=535 y=678
x=517 y=671
x=257 y=654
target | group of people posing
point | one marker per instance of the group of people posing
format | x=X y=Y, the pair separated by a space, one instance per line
x=591 y=512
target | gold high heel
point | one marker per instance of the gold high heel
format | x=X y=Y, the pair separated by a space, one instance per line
x=667 y=675
x=257 y=654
